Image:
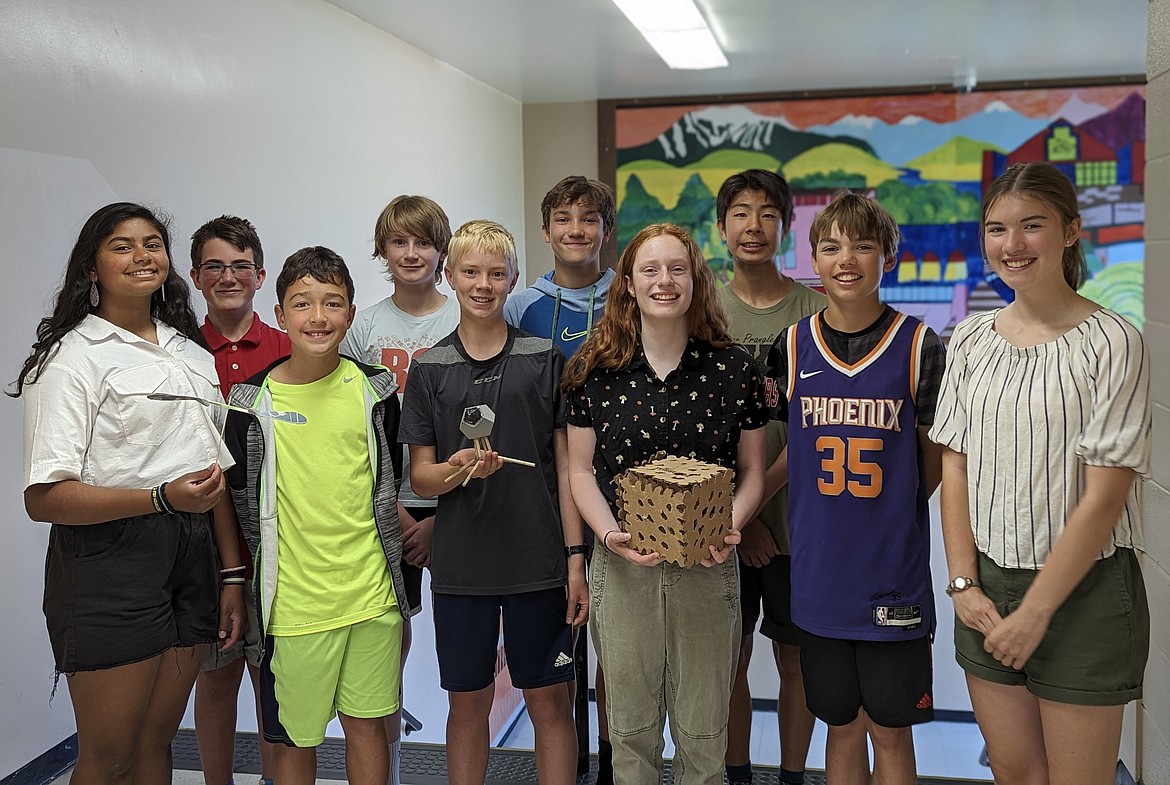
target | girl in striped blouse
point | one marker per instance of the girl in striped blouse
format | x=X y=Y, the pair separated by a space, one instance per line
x=1045 y=417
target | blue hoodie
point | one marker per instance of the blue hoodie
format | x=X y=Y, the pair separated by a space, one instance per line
x=565 y=315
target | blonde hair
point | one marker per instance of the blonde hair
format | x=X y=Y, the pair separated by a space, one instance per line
x=615 y=339
x=485 y=236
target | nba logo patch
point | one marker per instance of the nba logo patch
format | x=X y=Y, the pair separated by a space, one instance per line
x=908 y=616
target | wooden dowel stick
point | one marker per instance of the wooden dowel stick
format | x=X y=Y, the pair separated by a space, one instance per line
x=517 y=461
x=459 y=471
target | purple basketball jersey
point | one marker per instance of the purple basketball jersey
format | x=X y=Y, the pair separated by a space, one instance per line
x=857 y=510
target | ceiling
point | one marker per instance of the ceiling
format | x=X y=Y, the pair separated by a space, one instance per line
x=545 y=51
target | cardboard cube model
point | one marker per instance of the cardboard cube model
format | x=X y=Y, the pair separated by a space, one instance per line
x=676 y=507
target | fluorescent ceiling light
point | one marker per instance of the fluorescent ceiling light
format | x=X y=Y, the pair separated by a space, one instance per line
x=677 y=31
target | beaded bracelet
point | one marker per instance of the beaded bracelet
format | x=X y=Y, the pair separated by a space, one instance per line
x=162 y=498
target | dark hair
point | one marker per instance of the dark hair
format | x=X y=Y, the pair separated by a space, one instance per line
x=859 y=217
x=593 y=194
x=416 y=215
x=614 y=341
x=317 y=262
x=774 y=186
x=171 y=303
x=238 y=231
x=1049 y=186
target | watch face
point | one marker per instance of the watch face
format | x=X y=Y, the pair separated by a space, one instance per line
x=960 y=583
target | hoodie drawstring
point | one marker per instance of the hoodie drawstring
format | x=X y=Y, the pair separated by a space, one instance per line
x=589 y=314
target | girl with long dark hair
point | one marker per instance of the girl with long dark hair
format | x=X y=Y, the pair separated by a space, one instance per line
x=132 y=593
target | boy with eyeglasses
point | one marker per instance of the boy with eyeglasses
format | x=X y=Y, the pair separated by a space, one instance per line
x=227 y=265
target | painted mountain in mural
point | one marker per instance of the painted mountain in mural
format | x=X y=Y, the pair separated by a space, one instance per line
x=1123 y=125
x=666 y=181
x=697 y=134
x=959 y=159
x=926 y=158
x=997 y=125
x=840 y=157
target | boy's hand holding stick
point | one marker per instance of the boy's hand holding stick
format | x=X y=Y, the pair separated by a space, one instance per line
x=477 y=424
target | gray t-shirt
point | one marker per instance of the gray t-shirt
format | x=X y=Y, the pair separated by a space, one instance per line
x=756 y=329
x=384 y=334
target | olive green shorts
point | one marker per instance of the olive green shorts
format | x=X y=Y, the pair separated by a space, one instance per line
x=1094 y=652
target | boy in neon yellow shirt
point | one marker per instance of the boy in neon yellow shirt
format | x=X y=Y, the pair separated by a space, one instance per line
x=318 y=504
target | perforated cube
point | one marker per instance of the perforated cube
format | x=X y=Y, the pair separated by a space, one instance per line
x=676 y=507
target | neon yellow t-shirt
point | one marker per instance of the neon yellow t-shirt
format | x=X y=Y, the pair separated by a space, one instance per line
x=332 y=571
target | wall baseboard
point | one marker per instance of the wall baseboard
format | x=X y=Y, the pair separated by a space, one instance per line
x=46 y=767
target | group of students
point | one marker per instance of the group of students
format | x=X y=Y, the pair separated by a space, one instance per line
x=833 y=410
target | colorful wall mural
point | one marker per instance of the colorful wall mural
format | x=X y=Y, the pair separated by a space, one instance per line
x=926 y=157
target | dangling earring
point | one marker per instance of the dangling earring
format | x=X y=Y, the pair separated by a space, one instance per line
x=94 y=296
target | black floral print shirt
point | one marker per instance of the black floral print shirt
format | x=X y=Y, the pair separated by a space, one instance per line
x=697 y=411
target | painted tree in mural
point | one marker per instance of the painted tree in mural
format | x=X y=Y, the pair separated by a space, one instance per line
x=693 y=211
x=928 y=203
x=638 y=209
x=819 y=181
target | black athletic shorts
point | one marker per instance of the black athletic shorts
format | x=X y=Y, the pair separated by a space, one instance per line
x=127 y=590
x=769 y=586
x=538 y=644
x=891 y=680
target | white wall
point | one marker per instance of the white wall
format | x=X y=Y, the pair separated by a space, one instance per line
x=288 y=112
x=559 y=140
x=1152 y=729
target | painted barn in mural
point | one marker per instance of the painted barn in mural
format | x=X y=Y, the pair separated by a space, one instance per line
x=927 y=158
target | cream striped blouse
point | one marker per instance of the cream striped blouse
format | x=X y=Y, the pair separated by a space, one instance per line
x=1030 y=419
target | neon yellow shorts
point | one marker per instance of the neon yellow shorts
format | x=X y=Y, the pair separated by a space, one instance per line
x=355 y=670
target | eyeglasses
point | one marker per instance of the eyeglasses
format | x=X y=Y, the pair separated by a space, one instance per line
x=216 y=269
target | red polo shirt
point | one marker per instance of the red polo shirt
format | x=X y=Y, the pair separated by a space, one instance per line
x=236 y=361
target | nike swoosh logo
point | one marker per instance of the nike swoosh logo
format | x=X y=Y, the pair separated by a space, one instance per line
x=347 y=379
x=809 y=374
x=568 y=336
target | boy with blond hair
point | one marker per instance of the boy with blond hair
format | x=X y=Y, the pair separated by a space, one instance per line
x=508 y=540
